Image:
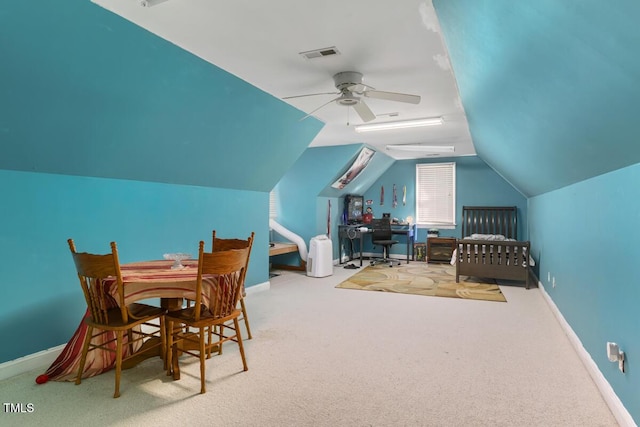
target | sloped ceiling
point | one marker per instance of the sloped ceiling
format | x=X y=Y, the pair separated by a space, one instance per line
x=397 y=46
x=84 y=92
x=550 y=87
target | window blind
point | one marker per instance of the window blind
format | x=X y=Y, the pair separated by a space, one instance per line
x=436 y=194
x=273 y=204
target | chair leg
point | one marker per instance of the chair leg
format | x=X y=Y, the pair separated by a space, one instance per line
x=245 y=317
x=130 y=341
x=163 y=341
x=175 y=364
x=169 y=348
x=119 y=339
x=210 y=335
x=202 y=360
x=240 y=346
x=85 y=350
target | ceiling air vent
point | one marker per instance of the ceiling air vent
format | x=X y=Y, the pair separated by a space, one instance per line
x=320 y=53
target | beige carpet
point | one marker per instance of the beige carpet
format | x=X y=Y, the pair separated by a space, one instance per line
x=327 y=357
x=436 y=280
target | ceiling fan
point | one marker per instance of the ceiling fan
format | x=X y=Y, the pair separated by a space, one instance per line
x=351 y=90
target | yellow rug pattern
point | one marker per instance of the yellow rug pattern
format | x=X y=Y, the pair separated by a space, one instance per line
x=436 y=280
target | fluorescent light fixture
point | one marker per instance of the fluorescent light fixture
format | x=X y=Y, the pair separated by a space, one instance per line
x=371 y=127
x=151 y=3
x=417 y=148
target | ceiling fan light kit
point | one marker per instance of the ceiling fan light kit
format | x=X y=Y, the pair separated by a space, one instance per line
x=401 y=124
x=422 y=148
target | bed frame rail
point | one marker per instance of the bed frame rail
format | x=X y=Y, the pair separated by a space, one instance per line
x=496 y=260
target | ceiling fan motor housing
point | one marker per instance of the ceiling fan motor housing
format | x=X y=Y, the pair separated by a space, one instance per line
x=347 y=79
x=351 y=90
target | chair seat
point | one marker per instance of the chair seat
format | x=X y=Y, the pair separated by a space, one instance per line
x=138 y=314
x=385 y=242
x=187 y=315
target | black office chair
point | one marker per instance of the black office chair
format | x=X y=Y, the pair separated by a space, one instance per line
x=382 y=235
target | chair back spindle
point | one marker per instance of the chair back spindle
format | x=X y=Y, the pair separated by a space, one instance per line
x=220 y=275
x=93 y=271
x=219 y=244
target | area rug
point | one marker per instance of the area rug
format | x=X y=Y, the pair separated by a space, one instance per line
x=436 y=280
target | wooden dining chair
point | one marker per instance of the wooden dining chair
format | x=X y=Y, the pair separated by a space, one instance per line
x=108 y=315
x=218 y=290
x=219 y=244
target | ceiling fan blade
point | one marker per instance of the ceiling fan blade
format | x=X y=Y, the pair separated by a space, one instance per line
x=323 y=105
x=364 y=111
x=311 y=94
x=392 y=96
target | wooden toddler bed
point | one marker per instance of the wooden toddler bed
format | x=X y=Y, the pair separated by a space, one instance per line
x=489 y=247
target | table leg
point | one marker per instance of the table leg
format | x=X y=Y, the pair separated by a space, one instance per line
x=170 y=304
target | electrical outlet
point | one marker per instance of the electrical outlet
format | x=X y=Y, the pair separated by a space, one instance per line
x=553 y=281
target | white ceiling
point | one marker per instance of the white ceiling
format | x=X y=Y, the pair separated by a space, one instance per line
x=397 y=45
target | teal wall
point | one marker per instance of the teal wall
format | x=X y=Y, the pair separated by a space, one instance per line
x=145 y=219
x=476 y=184
x=585 y=235
x=550 y=88
x=170 y=139
x=303 y=206
x=85 y=92
x=305 y=191
x=108 y=132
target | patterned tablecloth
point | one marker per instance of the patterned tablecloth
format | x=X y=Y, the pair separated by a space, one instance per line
x=142 y=280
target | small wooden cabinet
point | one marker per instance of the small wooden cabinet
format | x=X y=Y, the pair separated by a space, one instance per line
x=440 y=249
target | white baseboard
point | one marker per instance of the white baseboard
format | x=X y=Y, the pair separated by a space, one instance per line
x=43 y=359
x=264 y=286
x=611 y=398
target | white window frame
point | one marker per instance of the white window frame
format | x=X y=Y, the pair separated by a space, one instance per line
x=436 y=195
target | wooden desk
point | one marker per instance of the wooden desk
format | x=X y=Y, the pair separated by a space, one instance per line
x=280 y=248
x=352 y=232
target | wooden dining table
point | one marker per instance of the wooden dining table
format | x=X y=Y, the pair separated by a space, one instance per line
x=142 y=280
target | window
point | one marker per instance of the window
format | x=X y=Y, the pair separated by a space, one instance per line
x=436 y=194
x=273 y=204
